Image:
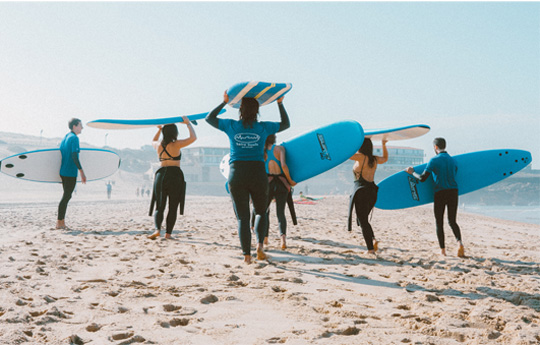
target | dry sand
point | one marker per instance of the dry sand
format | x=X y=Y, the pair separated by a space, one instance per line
x=104 y=282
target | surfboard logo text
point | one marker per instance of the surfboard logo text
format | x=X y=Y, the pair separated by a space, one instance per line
x=414 y=192
x=324 y=149
x=247 y=140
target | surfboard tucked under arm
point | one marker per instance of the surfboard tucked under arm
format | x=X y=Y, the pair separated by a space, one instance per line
x=476 y=170
x=44 y=165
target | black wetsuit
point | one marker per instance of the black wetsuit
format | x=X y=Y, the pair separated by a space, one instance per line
x=247 y=178
x=169 y=184
x=363 y=200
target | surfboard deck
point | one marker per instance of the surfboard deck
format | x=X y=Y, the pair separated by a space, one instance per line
x=263 y=92
x=316 y=151
x=476 y=170
x=397 y=133
x=44 y=165
x=143 y=123
x=322 y=149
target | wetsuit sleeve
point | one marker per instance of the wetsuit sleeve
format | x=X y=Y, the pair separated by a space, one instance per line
x=212 y=119
x=285 y=123
x=75 y=157
x=422 y=177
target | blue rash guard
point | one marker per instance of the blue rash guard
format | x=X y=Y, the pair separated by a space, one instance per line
x=443 y=168
x=69 y=147
x=247 y=144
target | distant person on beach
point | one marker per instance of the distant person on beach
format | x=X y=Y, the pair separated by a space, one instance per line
x=247 y=175
x=70 y=168
x=279 y=183
x=444 y=169
x=109 y=189
x=169 y=183
x=364 y=196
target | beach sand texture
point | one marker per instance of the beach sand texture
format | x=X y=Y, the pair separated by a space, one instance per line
x=104 y=282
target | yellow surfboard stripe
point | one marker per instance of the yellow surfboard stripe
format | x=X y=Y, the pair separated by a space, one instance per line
x=264 y=90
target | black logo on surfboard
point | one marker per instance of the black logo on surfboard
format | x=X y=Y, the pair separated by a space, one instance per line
x=324 y=149
x=414 y=192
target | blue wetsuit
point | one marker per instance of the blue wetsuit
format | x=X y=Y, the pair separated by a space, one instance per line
x=69 y=168
x=444 y=169
x=247 y=176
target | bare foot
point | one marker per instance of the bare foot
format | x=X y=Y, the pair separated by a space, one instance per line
x=265 y=241
x=260 y=253
x=283 y=242
x=371 y=251
x=247 y=259
x=375 y=245
x=461 y=252
x=443 y=251
x=61 y=224
x=154 y=235
x=168 y=236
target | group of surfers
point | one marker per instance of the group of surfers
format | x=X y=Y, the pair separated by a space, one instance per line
x=259 y=173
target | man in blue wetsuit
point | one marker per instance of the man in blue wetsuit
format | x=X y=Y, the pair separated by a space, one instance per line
x=69 y=148
x=444 y=169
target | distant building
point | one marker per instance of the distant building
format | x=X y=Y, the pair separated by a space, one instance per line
x=201 y=164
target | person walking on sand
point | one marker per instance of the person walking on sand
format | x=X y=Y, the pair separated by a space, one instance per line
x=279 y=183
x=169 y=183
x=444 y=169
x=69 y=168
x=247 y=177
x=364 y=196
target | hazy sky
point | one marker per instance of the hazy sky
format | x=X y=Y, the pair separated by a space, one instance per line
x=469 y=70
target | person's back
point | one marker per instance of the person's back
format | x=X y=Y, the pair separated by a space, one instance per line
x=443 y=168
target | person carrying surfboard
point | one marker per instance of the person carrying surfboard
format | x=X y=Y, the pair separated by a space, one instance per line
x=364 y=196
x=169 y=183
x=247 y=177
x=70 y=167
x=279 y=183
x=444 y=169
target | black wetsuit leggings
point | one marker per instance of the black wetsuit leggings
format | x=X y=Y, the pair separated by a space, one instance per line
x=68 y=184
x=167 y=185
x=248 y=179
x=278 y=191
x=442 y=199
x=364 y=201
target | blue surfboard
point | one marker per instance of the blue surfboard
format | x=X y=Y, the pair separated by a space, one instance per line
x=263 y=92
x=476 y=170
x=44 y=165
x=397 y=133
x=142 y=123
x=322 y=149
x=317 y=151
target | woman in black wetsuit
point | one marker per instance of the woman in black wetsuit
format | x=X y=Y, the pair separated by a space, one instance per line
x=365 y=190
x=169 y=180
x=247 y=177
x=279 y=182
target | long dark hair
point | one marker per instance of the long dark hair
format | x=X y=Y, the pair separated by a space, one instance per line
x=170 y=134
x=367 y=150
x=249 y=109
x=270 y=140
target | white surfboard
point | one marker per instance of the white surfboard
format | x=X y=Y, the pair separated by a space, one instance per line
x=397 y=133
x=44 y=165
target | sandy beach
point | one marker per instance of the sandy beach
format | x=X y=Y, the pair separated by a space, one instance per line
x=104 y=282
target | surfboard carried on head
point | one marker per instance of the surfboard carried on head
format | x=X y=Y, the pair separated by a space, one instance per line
x=265 y=93
x=143 y=123
x=44 y=165
x=397 y=133
x=476 y=170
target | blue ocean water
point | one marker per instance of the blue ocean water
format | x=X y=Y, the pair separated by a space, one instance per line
x=525 y=214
